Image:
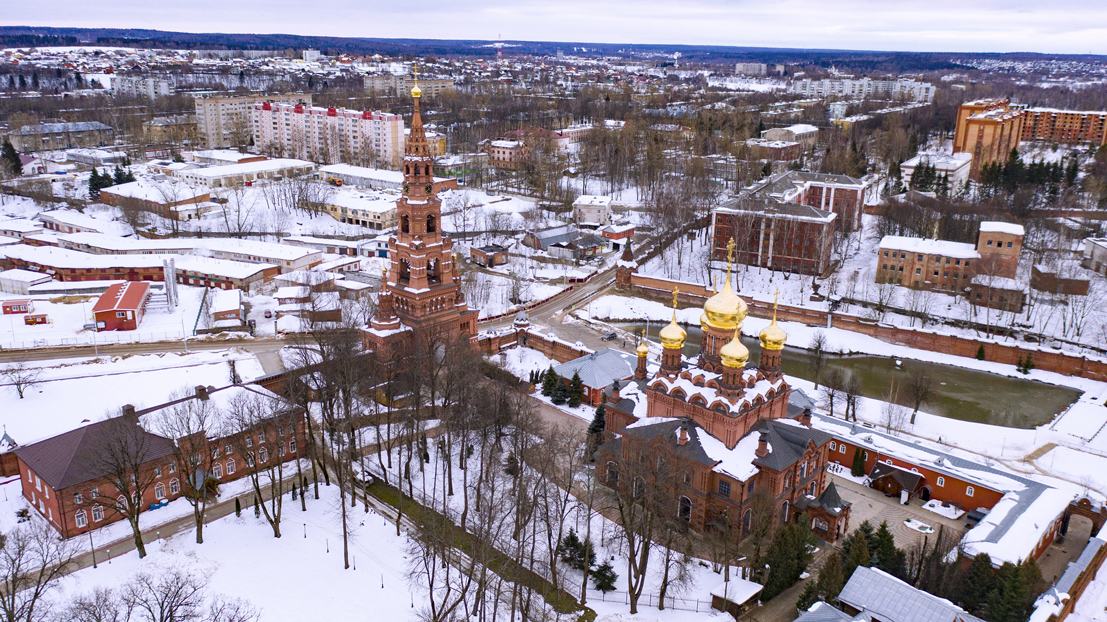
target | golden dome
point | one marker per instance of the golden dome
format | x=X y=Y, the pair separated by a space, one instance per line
x=773 y=336
x=734 y=354
x=673 y=336
x=642 y=349
x=725 y=310
x=416 y=91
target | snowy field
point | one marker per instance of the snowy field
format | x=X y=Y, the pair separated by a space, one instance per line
x=78 y=391
x=68 y=316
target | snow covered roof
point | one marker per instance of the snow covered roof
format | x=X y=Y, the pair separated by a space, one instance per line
x=891 y=600
x=737 y=590
x=599 y=369
x=942 y=248
x=69 y=259
x=1002 y=227
x=168 y=192
x=737 y=462
x=264 y=166
x=225 y=300
x=24 y=276
x=508 y=144
x=594 y=200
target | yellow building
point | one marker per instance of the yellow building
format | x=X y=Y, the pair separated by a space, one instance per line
x=988 y=129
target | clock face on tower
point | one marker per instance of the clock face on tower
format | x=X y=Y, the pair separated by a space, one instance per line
x=407 y=188
x=429 y=188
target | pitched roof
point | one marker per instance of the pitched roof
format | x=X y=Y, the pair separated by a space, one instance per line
x=787 y=441
x=599 y=369
x=72 y=458
x=822 y=612
x=829 y=500
x=907 y=479
x=667 y=429
x=891 y=600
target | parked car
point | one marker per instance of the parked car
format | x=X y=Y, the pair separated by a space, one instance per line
x=268 y=313
x=610 y=336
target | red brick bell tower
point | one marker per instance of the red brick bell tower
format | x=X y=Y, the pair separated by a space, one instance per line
x=421 y=296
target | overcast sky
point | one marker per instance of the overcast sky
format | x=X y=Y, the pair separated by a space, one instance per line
x=1058 y=26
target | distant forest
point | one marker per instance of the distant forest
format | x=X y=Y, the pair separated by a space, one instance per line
x=862 y=61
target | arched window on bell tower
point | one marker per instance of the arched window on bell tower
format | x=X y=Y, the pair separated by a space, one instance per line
x=434 y=273
x=405 y=271
x=405 y=225
x=431 y=224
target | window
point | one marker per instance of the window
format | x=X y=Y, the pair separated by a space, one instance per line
x=263 y=455
x=292 y=447
x=249 y=460
x=120 y=314
x=968 y=491
x=784 y=512
x=80 y=518
x=157 y=471
x=833 y=446
x=249 y=441
x=684 y=509
x=214 y=452
x=195 y=458
x=228 y=449
x=1008 y=245
x=159 y=491
x=941 y=481
x=918 y=271
x=77 y=498
x=261 y=437
x=217 y=470
x=887 y=461
x=172 y=467
x=174 y=486
x=230 y=467
x=803 y=470
x=95 y=492
x=842 y=448
x=612 y=473
x=749 y=489
x=97 y=513
x=639 y=487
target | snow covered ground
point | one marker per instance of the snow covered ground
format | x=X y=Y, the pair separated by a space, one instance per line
x=73 y=392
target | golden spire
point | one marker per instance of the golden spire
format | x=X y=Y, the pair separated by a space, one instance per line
x=642 y=349
x=416 y=92
x=773 y=336
x=734 y=353
x=725 y=310
x=673 y=336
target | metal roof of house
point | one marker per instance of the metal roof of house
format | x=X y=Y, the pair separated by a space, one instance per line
x=829 y=500
x=599 y=369
x=891 y=600
x=822 y=612
x=906 y=478
x=788 y=442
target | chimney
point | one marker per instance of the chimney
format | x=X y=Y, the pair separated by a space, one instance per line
x=128 y=410
x=682 y=436
x=201 y=393
x=762 y=445
x=806 y=419
x=614 y=392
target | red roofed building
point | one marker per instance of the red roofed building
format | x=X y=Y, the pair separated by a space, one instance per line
x=122 y=306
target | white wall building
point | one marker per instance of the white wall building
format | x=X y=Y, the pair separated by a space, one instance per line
x=142 y=86
x=864 y=88
x=329 y=135
x=591 y=210
x=246 y=174
x=955 y=166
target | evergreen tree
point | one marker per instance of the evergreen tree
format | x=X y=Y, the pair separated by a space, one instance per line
x=855 y=552
x=787 y=558
x=604 y=577
x=549 y=382
x=11 y=82
x=974 y=585
x=560 y=393
x=596 y=428
x=1071 y=171
x=857 y=469
x=9 y=159
x=34 y=81
x=97 y=182
x=568 y=550
x=1028 y=365
x=809 y=596
x=831 y=579
x=576 y=390
x=980 y=353
x=118 y=175
x=888 y=557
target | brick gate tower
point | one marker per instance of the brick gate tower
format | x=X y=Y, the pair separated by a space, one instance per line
x=420 y=299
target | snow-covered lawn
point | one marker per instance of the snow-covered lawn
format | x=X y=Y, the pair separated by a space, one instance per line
x=73 y=392
x=943 y=510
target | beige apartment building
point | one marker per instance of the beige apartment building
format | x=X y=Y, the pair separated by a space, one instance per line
x=222 y=121
x=1065 y=126
x=389 y=84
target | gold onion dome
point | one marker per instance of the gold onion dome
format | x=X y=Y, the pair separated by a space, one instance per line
x=773 y=336
x=416 y=91
x=725 y=310
x=642 y=349
x=734 y=354
x=673 y=336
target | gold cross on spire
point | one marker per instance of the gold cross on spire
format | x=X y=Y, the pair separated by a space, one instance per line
x=676 y=290
x=776 y=296
x=730 y=250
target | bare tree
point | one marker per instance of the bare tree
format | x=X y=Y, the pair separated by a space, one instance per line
x=124 y=453
x=434 y=563
x=895 y=415
x=921 y=386
x=32 y=561
x=188 y=423
x=101 y=605
x=257 y=425
x=225 y=609
x=171 y=595
x=818 y=355
x=852 y=392
x=237 y=208
x=833 y=386
x=21 y=376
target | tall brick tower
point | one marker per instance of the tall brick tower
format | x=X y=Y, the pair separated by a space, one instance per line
x=420 y=300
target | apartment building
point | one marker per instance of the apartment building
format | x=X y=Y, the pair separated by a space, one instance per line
x=802 y=133
x=507 y=155
x=865 y=88
x=1065 y=126
x=223 y=120
x=388 y=84
x=152 y=87
x=988 y=129
x=45 y=136
x=328 y=135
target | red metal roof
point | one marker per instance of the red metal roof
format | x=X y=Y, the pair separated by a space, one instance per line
x=127 y=296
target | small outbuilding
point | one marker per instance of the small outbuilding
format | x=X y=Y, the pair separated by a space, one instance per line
x=122 y=306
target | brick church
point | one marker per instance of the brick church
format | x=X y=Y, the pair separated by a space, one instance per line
x=420 y=302
x=722 y=429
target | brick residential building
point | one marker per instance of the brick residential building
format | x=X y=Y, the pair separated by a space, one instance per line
x=779 y=150
x=770 y=234
x=47 y=136
x=507 y=155
x=63 y=476
x=988 y=129
x=328 y=135
x=841 y=194
x=1065 y=126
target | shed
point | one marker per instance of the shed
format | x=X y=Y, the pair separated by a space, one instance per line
x=122 y=306
x=22 y=305
x=891 y=480
x=19 y=281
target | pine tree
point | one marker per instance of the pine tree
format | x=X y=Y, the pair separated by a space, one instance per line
x=809 y=596
x=975 y=584
x=604 y=577
x=569 y=548
x=549 y=382
x=576 y=390
x=118 y=175
x=980 y=353
x=1028 y=365
x=560 y=393
x=831 y=579
x=787 y=558
x=9 y=159
x=857 y=469
x=96 y=182
x=888 y=557
x=855 y=552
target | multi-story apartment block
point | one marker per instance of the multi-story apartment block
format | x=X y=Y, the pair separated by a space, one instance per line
x=61 y=136
x=840 y=194
x=388 y=84
x=1065 y=126
x=751 y=69
x=771 y=234
x=143 y=86
x=507 y=155
x=224 y=121
x=329 y=135
x=988 y=129
x=865 y=88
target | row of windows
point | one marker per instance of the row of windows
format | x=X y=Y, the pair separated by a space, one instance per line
x=939 y=481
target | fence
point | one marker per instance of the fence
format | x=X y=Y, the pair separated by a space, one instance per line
x=91 y=339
